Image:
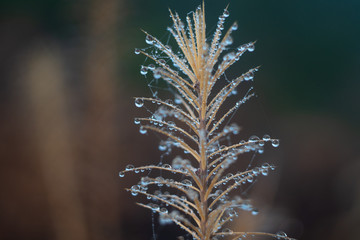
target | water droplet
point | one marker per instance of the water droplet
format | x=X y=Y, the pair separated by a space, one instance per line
x=251 y=47
x=177 y=100
x=221 y=26
x=265 y=165
x=143 y=70
x=139 y=102
x=163 y=210
x=254 y=138
x=137 y=51
x=134 y=190
x=155 y=207
x=228 y=41
x=280 y=235
x=255 y=211
x=162 y=146
x=151 y=67
x=177 y=162
x=232 y=213
x=143 y=130
x=266 y=137
x=145 y=181
x=167 y=166
x=149 y=39
x=256 y=171
x=187 y=182
x=136 y=121
x=249 y=76
x=121 y=174
x=162 y=61
x=171 y=125
x=272 y=167
x=226 y=13
x=228 y=231
x=234 y=26
x=275 y=142
x=264 y=171
x=129 y=167
x=242 y=48
x=157 y=74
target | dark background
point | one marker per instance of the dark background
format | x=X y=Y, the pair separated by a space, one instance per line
x=68 y=75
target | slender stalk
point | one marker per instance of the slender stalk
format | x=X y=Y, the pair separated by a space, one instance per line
x=203 y=166
x=204 y=202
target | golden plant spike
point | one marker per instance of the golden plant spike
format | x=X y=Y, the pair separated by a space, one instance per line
x=195 y=190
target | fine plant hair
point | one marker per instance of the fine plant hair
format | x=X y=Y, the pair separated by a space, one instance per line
x=196 y=196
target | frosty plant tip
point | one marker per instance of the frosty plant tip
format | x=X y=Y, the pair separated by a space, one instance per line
x=195 y=190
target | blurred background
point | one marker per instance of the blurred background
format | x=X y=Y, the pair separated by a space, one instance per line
x=68 y=76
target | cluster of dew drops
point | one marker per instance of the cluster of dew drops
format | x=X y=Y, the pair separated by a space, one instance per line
x=182 y=165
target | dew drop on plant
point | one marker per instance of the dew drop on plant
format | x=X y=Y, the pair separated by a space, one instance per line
x=167 y=166
x=232 y=213
x=134 y=190
x=171 y=125
x=264 y=171
x=280 y=235
x=162 y=61
x=155 y=207
x=136 y=121
x=228 y=231
x=228 y=40
x=143 y=70
x=187 y=182
x=177 y=100
x=254 y=138
x=121 y=174
x=157 y=74
x=266 y=137
x=143 y=130
x=169 y=101
x=163 y=210
x=242 y=48
x=137 y=51
x=234 y=27
x=251 y=47
x=129 y=167
x=162 y=146
x=265 y=166
x=149 y=39
x=255 y=211
x=151 y=67
x=275 y=142
x=226 y=13
x=139 y=102
x=249 y=76
x=177 y=162
x=272 y=167
x=145 y=181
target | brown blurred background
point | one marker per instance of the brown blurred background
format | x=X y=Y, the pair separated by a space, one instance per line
x=68 y=75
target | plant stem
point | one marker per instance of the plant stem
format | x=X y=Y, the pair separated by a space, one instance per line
x=203 y=165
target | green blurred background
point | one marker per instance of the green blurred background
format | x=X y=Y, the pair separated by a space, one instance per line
x=68 y=75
